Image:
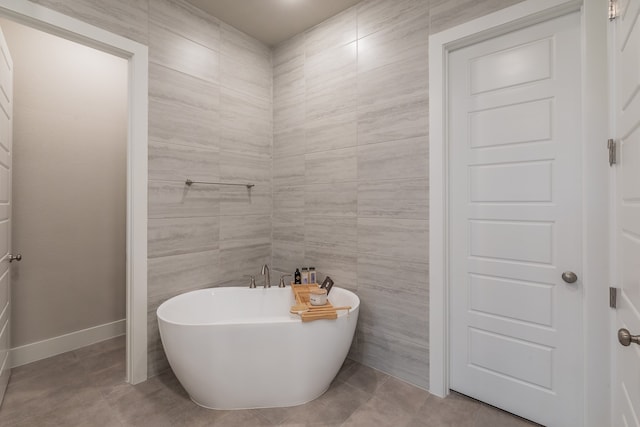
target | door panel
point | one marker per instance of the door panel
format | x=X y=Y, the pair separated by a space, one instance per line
x=515 y=221
x=6 y=126
x=518 y=65
x=626 y=390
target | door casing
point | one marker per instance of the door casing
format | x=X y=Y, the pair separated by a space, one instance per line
x=47 y=20
x=595 y=180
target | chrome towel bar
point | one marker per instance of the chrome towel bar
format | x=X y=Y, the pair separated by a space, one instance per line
x=190 y=183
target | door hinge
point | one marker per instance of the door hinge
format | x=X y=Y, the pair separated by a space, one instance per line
x=613 y=297
x=613 y=10
x=612 y=145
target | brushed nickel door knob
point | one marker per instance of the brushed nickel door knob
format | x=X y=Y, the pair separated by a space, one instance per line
x=625 y=338
x=569 y=276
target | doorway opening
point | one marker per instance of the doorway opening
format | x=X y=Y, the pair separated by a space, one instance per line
x=69 y=194
x=136 y=54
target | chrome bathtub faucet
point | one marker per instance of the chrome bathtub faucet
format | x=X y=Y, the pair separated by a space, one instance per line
x=267 y=276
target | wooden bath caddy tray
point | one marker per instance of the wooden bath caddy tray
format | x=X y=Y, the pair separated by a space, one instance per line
x=308 y=312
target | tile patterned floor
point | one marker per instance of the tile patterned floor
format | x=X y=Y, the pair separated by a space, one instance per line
x=86 y=388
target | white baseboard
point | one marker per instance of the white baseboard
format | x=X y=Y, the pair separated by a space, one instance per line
x=53 y=346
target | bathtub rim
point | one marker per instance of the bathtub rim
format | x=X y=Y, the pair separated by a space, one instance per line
x=271 y=320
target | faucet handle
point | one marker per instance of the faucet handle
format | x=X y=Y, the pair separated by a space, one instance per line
x=282 y=285
x=252 y=284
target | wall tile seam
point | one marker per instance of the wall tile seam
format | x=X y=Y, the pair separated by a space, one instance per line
x=232 y=214
x=249 y=155
x=310 y=56
x=215 y=82
x=213 y=85
x=390 y=217
x=246 y=56
x=399 y=21
x=147 y=13
x=193 y=10
x=176 y=181
x=182 y=36
x=157 y=299
x=334 y=216
x=185 y=145
x=260 y=190
x=418 y=354
x=334 y=182
x=249 y=61
x=183 y=217
x=226 y=86
x=160 y=298
x=386 y=283
x=315 y=27
x=247 y=216
x=394 y=180
x=424 y=137
x=345 y=248
x=154 y=217
x=191 y=251
x=384 y=331
x=234 y=36
x=405 y=98
x=310 y=153
x=359 y=181
x=357 y=109
x=243 y=245
x=272 y=149
x=219 y=80
x=425 y=221
x=427 y=27
x=417 y=262
x=283 y=99
x=214 y=114
x=391 y=258
x=362 y=327
x=245 y=139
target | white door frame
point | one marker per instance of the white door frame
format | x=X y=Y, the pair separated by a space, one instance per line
x=137 y=54
x=595 y=188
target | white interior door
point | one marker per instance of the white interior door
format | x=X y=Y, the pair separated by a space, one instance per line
x=626 y=385
x=515 y=221
x=6 y=127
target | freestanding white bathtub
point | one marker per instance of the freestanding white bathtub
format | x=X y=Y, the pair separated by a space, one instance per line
x=240 y=348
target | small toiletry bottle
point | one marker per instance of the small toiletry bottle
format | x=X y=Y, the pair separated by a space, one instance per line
x=296 y=277
x=305 y=276
x=312 y=275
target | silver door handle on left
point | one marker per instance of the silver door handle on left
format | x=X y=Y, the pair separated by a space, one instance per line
x=625 y=338
x=15 y=258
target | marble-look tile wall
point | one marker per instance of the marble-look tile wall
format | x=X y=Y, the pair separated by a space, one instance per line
x=350 y=168
x=210 y=115
x=349 y=165
x=210 y=119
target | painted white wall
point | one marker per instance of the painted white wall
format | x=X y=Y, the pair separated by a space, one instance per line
x=69 y=185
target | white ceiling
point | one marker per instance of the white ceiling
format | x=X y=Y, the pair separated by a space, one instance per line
x=273 y=21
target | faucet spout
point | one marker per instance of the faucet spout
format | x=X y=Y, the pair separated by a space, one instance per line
x=267 y=276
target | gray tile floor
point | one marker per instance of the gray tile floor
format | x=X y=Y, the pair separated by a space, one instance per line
x=86 y=388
